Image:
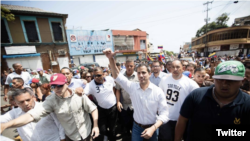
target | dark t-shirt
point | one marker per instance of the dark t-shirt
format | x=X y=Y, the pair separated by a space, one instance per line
x=205 y=114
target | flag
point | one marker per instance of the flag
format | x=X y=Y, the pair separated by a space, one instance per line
x=213 y=55
x=160 y=47
x=161 y=57
x=149 y=58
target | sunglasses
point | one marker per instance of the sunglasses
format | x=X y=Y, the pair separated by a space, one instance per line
x=97 y=75
x=58 y=86
x=88 y=76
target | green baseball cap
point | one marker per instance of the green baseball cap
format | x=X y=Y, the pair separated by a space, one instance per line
x=230 y=70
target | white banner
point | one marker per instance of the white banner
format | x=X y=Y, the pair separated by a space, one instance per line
x=234 y=46
x=20 y=50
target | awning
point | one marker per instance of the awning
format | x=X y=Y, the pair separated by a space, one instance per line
x=21 y=55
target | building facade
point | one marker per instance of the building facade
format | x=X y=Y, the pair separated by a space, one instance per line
x=186 y=47
x=229 y=41
x=242 y=21
x=36 y=39
x=131 y=44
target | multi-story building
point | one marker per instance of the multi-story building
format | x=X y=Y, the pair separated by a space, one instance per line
x=36 y=39
x=186 y=47
x=229 y=41
x=242 y=21
x=131 y=44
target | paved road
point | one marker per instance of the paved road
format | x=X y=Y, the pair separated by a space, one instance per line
x=10 y=133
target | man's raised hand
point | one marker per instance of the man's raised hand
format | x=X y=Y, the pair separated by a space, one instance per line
x=109 y=53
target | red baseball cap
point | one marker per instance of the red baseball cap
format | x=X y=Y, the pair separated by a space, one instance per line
x=34 y=80
x=58 y=79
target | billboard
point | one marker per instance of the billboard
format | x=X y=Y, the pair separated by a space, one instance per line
x=84 y=42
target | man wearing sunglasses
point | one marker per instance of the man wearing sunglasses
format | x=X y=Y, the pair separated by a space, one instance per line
x=149 y=102
x=102 y=88
x=71 y=110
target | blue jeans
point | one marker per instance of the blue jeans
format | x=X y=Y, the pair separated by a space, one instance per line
x=136 y=134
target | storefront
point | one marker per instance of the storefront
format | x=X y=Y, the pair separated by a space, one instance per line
x=25 y=55
x=229 y=50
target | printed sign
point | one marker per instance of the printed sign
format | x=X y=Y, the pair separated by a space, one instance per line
x=83 y=42
x=72 y=38
x=213 y=48
x=234 y=46
x=128 y=53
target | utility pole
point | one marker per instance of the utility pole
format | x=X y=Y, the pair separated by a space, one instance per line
x=207 y=19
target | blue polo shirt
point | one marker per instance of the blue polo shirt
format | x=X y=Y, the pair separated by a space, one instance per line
x=75 y=83
x=205 y=114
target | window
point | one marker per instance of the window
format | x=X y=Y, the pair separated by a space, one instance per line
x=143 y=44
x=57 y=31
x=31 y=31
x=4 y=33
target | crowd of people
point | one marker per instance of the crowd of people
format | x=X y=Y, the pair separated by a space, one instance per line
x=172 y=101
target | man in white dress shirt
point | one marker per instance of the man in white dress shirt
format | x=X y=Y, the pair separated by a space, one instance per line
x=48 y=128
x=147 y=100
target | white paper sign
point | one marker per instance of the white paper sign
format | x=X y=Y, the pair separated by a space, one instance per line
x=234 y=46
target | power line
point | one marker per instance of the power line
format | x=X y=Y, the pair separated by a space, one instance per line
x=129 y=20
x=157 y=20
x=229 y=3
x=237 y=8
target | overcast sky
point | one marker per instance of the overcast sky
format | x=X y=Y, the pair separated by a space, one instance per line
x=168 y=23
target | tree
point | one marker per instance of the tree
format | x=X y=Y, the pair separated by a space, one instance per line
x=219 y=23
x=221 y=20
x=5 y=13
x=168 y=53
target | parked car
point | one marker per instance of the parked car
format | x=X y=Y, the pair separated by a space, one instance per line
x=88 y=65
x=189 y=59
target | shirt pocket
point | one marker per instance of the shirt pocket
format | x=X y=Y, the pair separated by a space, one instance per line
x=80 y=115
x=152 y=105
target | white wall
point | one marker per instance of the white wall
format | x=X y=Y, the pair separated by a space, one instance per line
x=121 y=59
x=102 y=60
x=27 y=62
x=132 y=57
x=85 y=59
x=63 y=62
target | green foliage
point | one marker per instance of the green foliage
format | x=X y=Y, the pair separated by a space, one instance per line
x=5 y=13
x=168 y=53
x=219 y=23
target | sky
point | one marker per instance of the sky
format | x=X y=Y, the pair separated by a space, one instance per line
x=168 y=23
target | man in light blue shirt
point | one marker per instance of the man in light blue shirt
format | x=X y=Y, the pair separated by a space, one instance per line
x=156 y=75
x=77 y=84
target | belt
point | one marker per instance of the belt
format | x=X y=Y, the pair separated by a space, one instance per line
x=143 y=126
